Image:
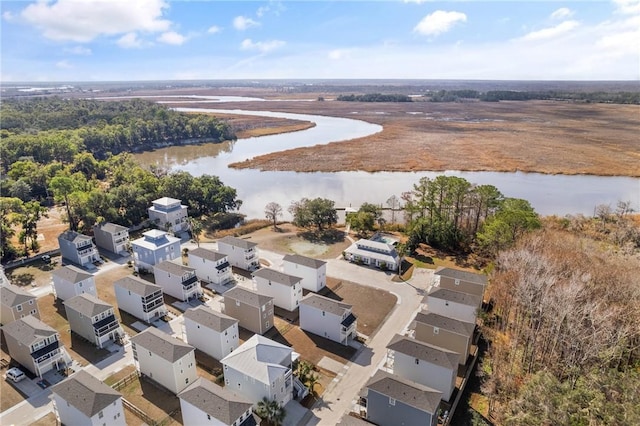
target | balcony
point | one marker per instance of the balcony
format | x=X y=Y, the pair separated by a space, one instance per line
x=349 y=324
x=152 y=297
x=45 y=353
x=106 y=325
x=190 y=282
x=152 y=306
x=87 y=252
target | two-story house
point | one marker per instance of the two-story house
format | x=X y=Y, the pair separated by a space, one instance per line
x=70 y=281
x=312 y=271
x=392 y=400
x=205 y=403
x=177 y=280
x=35 y=345
x=169 y=214
x=327 y=318
x=285 y=289
x=253 y=311
x=81 y=399
x=112 y=237
x=458 y=280
x=140 y=298
x=164 y=359
x=153 y=247
x=423 y=363
x=241 y=253
x=212 y=332
x=93 y=319
x=453 y=304
x=445 y=332
x=260 y=368
x=211 y=266
x=15 y=303
x=77 y=248
x=373 y=253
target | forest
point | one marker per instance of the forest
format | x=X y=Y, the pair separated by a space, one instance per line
x=525 y=95
x=374 y=97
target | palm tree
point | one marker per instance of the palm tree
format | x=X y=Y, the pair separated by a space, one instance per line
x=271 y=411
x=312 y=380
x=195 y=226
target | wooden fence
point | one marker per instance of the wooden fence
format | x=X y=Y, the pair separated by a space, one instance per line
x=125 y=381
x=138 y=412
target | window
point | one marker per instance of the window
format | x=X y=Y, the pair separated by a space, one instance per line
x=267 y=324
x=446 y=303
x=208 y=417
x=186 y=380
x=237 y=303
x=31 y=302
x=392 y=401
x=100 y=415
x=417 y=361
x=79 y=284
x=457 y=282
x=19 y=308
x=324 y=313
x=436 y=330
x=33 y=312
x=226 y=332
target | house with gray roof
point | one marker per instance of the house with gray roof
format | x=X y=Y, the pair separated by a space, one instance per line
x=154 y=247
x=423 y=363
x=211 y=266
x=453 y=304
x=445 y=332
x=214 y=333
x=177 y=280
x=373 y=253
x=169 y=214
x=70 y=281
x=459 y=280
x=16 y=303
x=81 y=399
x=312 y=271
x=328 y=318
x=164 y=359
x=112 y=237
x=77 y=248
x=93 y=319
x=204 y=402
x=285 y=289
x=242 y=253
x=253 y=311
x=140 y=298
x=392 y=400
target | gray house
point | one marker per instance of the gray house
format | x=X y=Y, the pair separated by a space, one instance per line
x=15 y=303
x=70 y=281
x=153 y=247
x=394 y=401
x=253 y=311
x=77 y=248
x=111 y=237
x=93 y=319
x=445 y=332
x=458 y=280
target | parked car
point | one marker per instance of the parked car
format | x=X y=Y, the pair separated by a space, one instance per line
x=46 y=258
x=15 y=374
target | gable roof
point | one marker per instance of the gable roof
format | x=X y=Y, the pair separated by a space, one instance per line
x=161 y=344
x=173 y=268
x=137 y=285
x=247 y=296
x=155 y=239
x=424 y=351
x=71 y=274
x=325 y=304
x=210 y=318
x=413 y=394
x=207 y=254
x=218 y=402
x=277 y=276
x=260 y=358
x=87 y=304
x=73 y=236
x=454 y=296
x=446 y=323
x=28 y=330
x=111 y=228
x=237 y=242
x=86 y=393
x=309 y=262
x=12 y=295
x=462 y=275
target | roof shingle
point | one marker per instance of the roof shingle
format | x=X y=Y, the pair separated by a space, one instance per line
x=86 y=393
x=161 y=344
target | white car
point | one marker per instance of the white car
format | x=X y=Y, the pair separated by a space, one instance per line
x=15 y=374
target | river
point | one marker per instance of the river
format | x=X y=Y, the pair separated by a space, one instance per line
x=549 y=194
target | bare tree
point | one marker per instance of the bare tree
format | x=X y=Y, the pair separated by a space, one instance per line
x=393 y=202
x=273 y=211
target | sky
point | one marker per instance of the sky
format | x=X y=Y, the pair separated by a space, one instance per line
x=122 y=40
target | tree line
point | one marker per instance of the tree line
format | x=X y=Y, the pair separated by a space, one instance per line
x=524 y=95
x=375 y=97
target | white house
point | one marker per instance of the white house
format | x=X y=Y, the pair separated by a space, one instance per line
x=169 y=214
x=312 y=271
x=453 y=304
x=140 y=298
x=164 y=359
x=423 y=363
x=445 y=332
x=285 y=289
x=260 y=368
x=211 y=266
x=70 y=281
x=241 y=253
x=81 y=399
x=16 y=303
x=153 y=247
x=205 y=403
x=458 y=280
x=212 y=332
x=327 y=318
x=93 y=319
x=111 y=237
x=373 y=253
x=177 y=280
x=77 y=248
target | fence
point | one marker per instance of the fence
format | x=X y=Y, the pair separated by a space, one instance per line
x=125 y=381
x=138 y=412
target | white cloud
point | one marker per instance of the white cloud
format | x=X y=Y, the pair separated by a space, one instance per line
x=172 y=37
x=551 y=32
x=242 y=23
x=562 y=13
x=8 y=16
x=65 y=65
x=82 y=21
x=261 y=46
x=628 y=7
x=129 y=41
x=338 y=54
x=214 y=29
x=439 y=22
x=77 y=50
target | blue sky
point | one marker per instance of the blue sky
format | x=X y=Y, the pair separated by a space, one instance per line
x=83 y=40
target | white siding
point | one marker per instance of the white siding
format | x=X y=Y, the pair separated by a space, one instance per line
x=193 y=416
x=209 y=341
x=66 y=290
x=206 y=270
x=69 y=415
x=174 y=377
x=451 y=309
x=132 y=303
x=425 y=373
x=254 y=390
x=327 y=325
x=312 y=279
x=284 y=296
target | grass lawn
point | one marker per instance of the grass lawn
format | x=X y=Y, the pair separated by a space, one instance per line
x=35 y=274
x=48 y=420
x=149 y=397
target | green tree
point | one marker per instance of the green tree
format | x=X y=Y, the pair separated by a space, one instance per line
x=31 y=213
x=10 y=209
x=271 y=411
x=272 y=212
x=20 y=189
x=62 y=187
x=195 y=227
x=318 y=213
x=513 y=218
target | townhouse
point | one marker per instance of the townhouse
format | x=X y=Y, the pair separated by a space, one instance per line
x=15 y=303
x=140 y=298
x=70 y=281
x=154 y=247
x=211 y=266
x=93 y=319
x=458 y=280
x=77 y=248
x=111 y=237
x=253 y=311
x=312 y=271
x=169 y=214
x=445 y=332
x=177 y=280
x=285 y=289
x=328 y=318
x=241 y=253
x=212 y=332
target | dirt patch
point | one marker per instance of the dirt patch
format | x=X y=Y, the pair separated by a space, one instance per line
x=10 y=396
x=312 y=348
x=48 y=420
x=149 y=397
